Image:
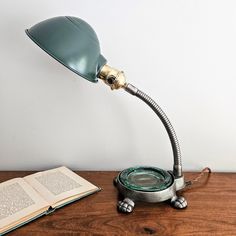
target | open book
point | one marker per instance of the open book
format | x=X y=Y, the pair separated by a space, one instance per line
x=25 y=199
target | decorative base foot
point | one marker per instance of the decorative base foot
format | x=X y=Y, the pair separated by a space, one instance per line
x=126 y=206
x=178 y=202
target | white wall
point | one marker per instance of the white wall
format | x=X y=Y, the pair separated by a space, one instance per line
x=182 y=53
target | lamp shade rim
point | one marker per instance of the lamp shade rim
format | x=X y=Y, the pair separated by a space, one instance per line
x=95 y=80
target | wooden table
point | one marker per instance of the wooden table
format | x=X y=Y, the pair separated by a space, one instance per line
x=211 y=211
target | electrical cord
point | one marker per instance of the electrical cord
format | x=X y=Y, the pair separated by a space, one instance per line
x=189 y=183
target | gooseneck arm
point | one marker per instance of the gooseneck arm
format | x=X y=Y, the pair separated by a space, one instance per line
x=115 y=79
x=177 y=168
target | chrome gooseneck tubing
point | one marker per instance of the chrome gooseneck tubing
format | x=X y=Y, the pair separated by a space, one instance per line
x=177 y=168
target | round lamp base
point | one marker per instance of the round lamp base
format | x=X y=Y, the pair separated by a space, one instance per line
x=148 y=184
x=150 y=179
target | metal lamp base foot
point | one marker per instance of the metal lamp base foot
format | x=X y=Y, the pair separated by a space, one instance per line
x=126 y=206
x=178 y=202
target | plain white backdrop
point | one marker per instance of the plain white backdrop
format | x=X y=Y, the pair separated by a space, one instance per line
x=181 y=53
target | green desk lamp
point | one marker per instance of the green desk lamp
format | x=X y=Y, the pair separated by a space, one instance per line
x=73 y=42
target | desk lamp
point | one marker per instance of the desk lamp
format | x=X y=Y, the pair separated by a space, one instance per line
x=74 y=43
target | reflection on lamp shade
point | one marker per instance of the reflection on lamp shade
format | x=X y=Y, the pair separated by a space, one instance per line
x=72 y=42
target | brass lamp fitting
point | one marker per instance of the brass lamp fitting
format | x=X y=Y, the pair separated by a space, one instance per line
x=112 y=77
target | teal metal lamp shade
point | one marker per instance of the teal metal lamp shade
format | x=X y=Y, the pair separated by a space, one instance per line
x=72 y=42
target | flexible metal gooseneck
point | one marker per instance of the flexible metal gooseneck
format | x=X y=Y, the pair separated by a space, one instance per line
x=177 y=168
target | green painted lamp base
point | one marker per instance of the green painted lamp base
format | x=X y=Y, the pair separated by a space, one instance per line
x=148 y=179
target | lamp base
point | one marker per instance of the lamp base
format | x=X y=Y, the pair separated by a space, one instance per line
x=148 y=184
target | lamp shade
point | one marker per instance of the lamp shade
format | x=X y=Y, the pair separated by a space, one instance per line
x=72 y=42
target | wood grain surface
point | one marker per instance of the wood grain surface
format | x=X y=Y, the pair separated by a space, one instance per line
x=211 y=211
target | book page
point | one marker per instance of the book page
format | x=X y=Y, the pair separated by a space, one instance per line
x=59 y=184
x=18 y=200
